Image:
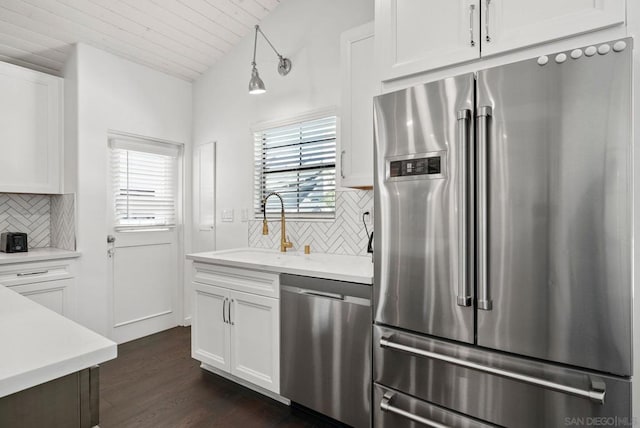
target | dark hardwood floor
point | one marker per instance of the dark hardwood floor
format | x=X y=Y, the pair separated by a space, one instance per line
x=154 y=383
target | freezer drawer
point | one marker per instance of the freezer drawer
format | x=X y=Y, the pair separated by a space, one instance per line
x=398 y=410
x=495 y=387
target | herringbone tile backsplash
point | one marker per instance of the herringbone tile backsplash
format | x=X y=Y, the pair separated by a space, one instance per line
x=33 y=214
x=63 y=222
x=345 y=235
x=27 y=213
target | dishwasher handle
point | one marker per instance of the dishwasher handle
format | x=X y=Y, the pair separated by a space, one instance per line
x=314 y=293
x=322 y=294
x=333 y=295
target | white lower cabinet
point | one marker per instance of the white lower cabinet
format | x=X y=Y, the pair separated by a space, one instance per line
x=210 y=331
x=50 y=294
x=49 y=283
x=235 y=331
x=255 y=339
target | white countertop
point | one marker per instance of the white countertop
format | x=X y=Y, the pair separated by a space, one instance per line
x=38 y=345
x=330 y=266
x=37 y=254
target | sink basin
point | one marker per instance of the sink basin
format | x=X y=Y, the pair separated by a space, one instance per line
x=290 y=254
x=257 y=252
x=258 y=256
x=246 y=253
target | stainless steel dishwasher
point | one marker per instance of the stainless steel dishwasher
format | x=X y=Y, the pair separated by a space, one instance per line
x=325 y=347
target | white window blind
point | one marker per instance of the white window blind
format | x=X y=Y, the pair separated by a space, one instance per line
x=145 y=184
x=298 y=161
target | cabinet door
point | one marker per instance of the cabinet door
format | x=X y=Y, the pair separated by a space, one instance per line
x=359 y=85
x=511 y=24
x=418 y=35
x=210 y=333
x=255 y=339
x=54 y=295
x=30 y=130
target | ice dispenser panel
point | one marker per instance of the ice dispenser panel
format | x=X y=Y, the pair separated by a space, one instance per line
x=417 y=166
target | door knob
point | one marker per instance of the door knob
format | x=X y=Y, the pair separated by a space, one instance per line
x=111 y=239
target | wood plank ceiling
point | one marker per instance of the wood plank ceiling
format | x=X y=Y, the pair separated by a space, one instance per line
x=179 y=37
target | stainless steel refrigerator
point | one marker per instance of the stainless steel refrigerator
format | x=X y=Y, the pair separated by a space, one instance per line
x=502 y=279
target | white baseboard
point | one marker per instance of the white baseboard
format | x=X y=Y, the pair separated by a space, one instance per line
x=187 y=321
x=246 y=384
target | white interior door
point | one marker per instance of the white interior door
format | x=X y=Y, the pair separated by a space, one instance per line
x=204 y=209
x=203 y=233
x=144 y=227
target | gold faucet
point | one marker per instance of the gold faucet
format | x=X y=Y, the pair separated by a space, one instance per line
x=284 y=239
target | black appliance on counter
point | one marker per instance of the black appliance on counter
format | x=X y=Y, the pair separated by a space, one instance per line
x=13 y=242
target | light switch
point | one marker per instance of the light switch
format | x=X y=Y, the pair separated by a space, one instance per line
x=227 y=216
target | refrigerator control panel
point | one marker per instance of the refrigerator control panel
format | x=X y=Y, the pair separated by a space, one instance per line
x=415 y=167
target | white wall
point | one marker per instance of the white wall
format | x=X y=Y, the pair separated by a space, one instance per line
x=307 y=32
x=111 y=93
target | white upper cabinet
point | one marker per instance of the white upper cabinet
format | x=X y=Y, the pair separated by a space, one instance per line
x=417 y=35
x=359 y=86
x=413 y=36
x=30 y=130
x=510 y=24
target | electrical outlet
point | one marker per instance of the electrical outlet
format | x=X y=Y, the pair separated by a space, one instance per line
x=359 y=215
x=368 y=218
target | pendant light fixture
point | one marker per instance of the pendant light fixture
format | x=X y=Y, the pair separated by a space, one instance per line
x=256 y=85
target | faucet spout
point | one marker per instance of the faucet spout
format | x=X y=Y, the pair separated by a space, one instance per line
x=284 y=241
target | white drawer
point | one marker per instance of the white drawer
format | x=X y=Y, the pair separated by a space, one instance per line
x=246 y=280
x=54 y=295
x=30 y=273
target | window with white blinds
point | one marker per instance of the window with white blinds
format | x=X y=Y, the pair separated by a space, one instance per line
x=298 y=161
x=145 y=184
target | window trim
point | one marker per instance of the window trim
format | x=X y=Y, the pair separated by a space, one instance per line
x=303 y=117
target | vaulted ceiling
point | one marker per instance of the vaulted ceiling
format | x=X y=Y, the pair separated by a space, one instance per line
x=180 y=37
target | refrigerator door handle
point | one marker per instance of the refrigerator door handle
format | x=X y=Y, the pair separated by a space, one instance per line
x=484 y=298
x=385 y=406
x=596 y=393
x=464 y=294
